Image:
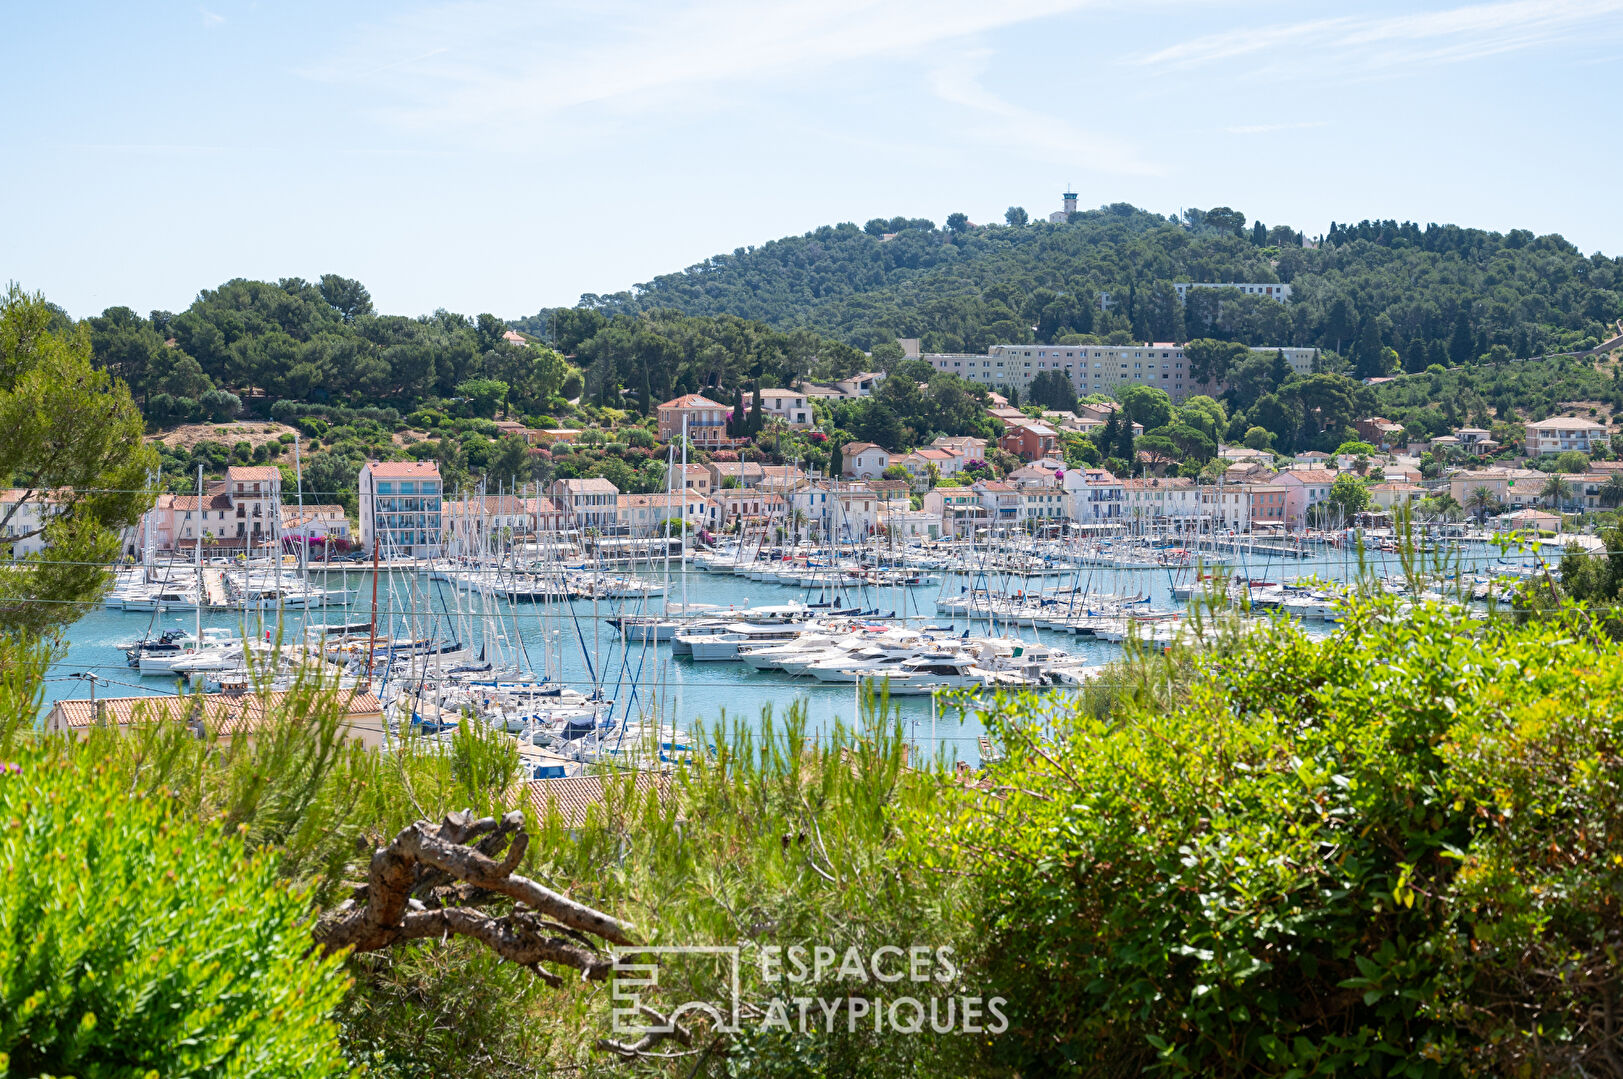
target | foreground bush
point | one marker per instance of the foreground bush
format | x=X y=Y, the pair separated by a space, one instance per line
x=136 y=940
x=1396 y=852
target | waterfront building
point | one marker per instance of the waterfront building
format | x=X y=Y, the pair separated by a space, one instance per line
x=956 y=510
x=1168 y=498
x=588 y=503
x=1390 y=496
x=25 y=514
x=1093 y=496
x=899 y=521
x=235 y=512
x=1267 y=505
x=1305 y=488
x=1000 y=500
x=1042 y=501
x=478 y=522
x=1511 y=487
x=400 y=504
x=315 y=522
x=645 y=515
x=741 y=504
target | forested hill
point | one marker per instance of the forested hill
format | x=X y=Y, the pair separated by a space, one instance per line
x=1435 y=294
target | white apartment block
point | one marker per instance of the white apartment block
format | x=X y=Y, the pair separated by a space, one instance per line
x=24 y=512
x=1093 y=496
x=1562 y=433
x=1273 y=290
x=400 y=504
x=791 y=406
x=1169 y=498
x=1095 y=368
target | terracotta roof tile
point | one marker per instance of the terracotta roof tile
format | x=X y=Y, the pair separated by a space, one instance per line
x=223 y=713
x=573 y=797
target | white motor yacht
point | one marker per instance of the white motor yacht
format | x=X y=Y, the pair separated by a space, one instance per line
x=922 y=675
x=724 y=646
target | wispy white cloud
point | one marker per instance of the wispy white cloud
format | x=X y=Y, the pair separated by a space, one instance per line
x=211 y=18
x=493 y=62
x=1365 y=42
x=995 y=121
x=1269 y=129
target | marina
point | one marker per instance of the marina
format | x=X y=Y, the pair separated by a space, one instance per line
x=581 y=660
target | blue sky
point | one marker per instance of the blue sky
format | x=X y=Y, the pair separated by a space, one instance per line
x=489 y=155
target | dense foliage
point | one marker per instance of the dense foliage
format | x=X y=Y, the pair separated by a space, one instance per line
x=1389 y=853
x=317 y=342
x=1438 y=294
x=660 y=354
x=70 y=446
x=138 y=939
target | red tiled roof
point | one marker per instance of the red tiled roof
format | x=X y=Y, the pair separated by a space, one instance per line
x=572 y=797
x=249 y=473
x=692 y=400
x=223 y=713
x=404 y=470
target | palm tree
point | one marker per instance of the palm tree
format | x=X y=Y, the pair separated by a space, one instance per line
x=1479 y=502
x=1611 y=492
x=1556 y=490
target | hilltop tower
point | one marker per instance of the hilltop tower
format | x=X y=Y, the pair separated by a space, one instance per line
x=1070 y=202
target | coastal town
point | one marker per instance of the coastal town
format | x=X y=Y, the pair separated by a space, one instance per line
x=877 y=540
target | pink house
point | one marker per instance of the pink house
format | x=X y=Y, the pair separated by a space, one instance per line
x=1304 y=489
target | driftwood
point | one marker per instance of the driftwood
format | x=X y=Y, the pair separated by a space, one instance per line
x=434 y=880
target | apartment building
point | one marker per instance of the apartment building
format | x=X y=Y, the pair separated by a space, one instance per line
x=588 y=503
x=958 y=509
x=1267 y=504
x=24 y=512
x=1095 y=368
x=706 y=420
x=741 y=503
x=1093 y=496
x=793 y=407
x=1274 y=290
x=1559 y=434
x=645 y=515
x=401 y=508
x=492 y=521
x=1305 y=489
x=1167 y=498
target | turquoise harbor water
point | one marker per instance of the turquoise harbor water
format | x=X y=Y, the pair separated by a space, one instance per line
x=572 y=642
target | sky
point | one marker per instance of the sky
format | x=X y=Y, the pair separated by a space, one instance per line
x=507 y=155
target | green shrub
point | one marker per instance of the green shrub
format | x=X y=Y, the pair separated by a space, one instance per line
x=1390 y=852
x=135 y=940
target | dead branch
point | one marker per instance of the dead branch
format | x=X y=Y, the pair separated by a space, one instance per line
x=431 y=880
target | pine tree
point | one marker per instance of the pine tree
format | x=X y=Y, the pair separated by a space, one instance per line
x=755 y=419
